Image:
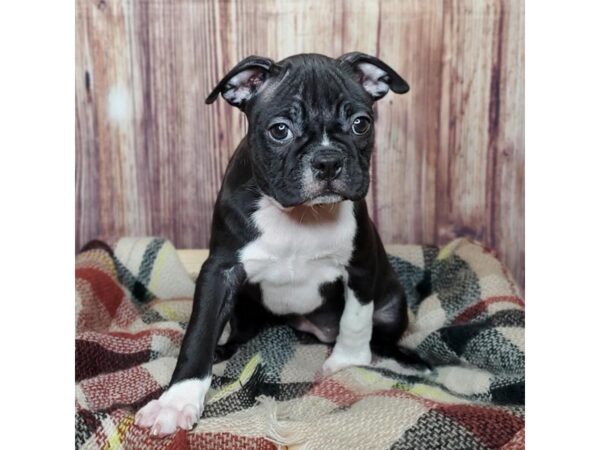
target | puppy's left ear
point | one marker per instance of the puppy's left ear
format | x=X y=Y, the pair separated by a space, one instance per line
x=244 y=81
x=375 y=76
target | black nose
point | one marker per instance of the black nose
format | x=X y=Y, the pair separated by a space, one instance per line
x=327 y=166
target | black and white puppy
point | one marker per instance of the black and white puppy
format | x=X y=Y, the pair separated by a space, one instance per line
x=292 y=241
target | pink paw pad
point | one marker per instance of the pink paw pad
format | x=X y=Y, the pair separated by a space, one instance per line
x=146 y=416
x=164 y=419
x=180 y=406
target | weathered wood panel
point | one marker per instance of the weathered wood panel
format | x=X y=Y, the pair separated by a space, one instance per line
x=449 y=155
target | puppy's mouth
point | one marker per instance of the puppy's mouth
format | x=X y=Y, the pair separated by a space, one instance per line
x=325 y=199
x=325 y=194
x=331 y=193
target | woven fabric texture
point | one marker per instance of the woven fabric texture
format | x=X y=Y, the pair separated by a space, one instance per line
x=466 y=317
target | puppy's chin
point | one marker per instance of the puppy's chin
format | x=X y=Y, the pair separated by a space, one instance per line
x=326 y=199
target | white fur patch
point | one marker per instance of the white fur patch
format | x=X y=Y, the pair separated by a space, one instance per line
x=179 y=406
x=371 y=81
x=352 y=346
x=298 y=251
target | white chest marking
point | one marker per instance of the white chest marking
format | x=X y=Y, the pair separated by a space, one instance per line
x=297 y=251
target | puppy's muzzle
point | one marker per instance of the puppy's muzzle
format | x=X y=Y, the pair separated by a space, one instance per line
x=327 y=165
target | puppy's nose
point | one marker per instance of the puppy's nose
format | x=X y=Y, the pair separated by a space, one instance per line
x=327 y=166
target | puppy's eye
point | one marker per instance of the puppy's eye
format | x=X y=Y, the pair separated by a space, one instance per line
x=361 y=125
x=280 y=132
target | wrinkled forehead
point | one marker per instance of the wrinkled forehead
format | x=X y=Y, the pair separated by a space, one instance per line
x=305 y=94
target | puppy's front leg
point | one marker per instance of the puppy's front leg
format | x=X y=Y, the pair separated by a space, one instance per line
x=352 y=345
x=181 y=405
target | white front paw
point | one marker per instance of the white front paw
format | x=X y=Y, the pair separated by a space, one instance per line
x=164 y=419
x=178 y=407
x=339 y=360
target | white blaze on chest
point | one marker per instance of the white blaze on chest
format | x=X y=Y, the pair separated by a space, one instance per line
x=297 y=251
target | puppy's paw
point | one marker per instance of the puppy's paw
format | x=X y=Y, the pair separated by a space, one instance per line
x=339 y=360
x=164 y=419
x=179 y=407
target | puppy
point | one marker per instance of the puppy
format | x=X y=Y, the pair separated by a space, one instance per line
x=292 y=241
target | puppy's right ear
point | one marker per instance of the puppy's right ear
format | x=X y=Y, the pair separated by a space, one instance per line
x=244 y=81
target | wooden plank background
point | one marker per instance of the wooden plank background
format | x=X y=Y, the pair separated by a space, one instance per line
x=449 y=157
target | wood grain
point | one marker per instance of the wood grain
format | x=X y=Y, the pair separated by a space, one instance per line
x=449 y=158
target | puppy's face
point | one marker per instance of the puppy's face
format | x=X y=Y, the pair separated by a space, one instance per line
x=310 y=121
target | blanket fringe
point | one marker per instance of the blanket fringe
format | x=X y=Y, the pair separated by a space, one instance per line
x=277 y=431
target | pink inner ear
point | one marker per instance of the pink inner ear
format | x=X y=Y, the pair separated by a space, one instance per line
x=244 y=77
x=243 y=85
x=372 y=80
x=257 y=79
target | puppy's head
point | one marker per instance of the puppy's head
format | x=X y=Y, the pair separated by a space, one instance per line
x=310 y=122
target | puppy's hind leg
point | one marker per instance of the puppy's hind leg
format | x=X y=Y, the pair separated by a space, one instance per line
x=390 y=320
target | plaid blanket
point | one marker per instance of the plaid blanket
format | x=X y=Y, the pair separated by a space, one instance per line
x=467 y=318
